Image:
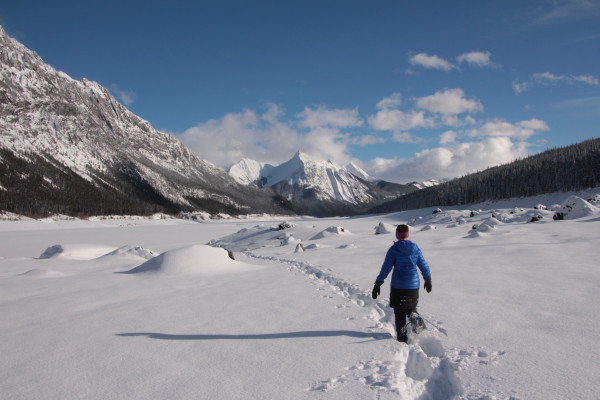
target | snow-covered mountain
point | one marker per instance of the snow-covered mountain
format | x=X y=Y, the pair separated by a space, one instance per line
x=358 y=172
x=71 y=145
x=248 y=171
x=317 y=187
x=426 y=184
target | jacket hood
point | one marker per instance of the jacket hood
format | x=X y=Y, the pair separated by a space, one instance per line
x=404 y=246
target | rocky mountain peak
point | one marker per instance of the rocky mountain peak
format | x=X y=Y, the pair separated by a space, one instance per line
x=81 y=133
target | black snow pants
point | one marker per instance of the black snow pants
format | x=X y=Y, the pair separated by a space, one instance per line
x=404 y=302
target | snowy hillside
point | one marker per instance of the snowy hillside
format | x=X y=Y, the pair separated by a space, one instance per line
x=63 y=135
x=144 y=308
x=425 y=184
x=316 y=187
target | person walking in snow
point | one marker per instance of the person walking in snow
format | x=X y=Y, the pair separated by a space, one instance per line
x=404 y=257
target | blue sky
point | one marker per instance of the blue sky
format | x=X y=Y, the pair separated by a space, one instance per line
x=409 y=90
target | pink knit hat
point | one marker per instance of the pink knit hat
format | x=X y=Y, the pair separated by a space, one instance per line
x=401 y=235
x=402 y=232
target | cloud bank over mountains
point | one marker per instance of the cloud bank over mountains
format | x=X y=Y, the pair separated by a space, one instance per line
x=464 y=144
x=452 y=132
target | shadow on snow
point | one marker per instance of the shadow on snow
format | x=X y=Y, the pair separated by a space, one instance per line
x=262 y=336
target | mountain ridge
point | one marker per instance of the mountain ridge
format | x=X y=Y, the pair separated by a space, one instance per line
x=81 y=133
x=318 y=187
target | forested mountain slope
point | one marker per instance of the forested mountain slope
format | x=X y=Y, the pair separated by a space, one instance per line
x=573 y=167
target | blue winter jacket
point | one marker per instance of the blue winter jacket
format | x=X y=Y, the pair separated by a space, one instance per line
x=404 y=256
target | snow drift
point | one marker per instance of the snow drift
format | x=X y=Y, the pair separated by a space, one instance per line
x=331 y=231
x=42 y=273
x=193 y=260
x=575 y=207
x=130 y=251
x=384 y=228
x=77 y=251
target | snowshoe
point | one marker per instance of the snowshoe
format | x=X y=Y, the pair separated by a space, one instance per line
x=417 y=322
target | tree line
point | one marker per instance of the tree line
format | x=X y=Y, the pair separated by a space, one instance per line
x=575 y=167
x=37 y=186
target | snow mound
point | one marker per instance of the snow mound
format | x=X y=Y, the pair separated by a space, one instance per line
x=524 y=216
x=76 y=251
x=42 y=273
x=132 y=251
x=384 y=228
x=193 y=260
x=285 y=225
x=8 y=216
x=58 y=217
x=576 y=207
x=486 y=225
x=331 y=231
x=284 y=241
x=428 y=228
x=426 y=377
x=313 y=246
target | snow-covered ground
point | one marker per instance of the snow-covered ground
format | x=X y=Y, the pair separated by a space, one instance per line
x=144 y=308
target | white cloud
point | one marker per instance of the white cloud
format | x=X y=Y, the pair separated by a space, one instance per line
x=589 y=79
x=274 y=111
x=397 y=120
x=452 y=120
x=500 y=128
x=321 y=116
x=448 y=137
x=434 y=62
x=325 y=144
x=367 y=140
x=477 y=58
x=451 y=101
x=520 y=87
x=228 y=139
x=448 y=162
x=270 y=136
x=405 y=137
x=534 y=124
x=547 y=78
x=569 y=10
x=390 y=102
x=127 y=97
x=266 y=138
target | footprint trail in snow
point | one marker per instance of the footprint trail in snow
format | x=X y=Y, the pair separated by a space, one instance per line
x=423 y=369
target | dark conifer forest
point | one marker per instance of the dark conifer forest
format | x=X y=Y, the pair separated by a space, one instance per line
x=574 y=167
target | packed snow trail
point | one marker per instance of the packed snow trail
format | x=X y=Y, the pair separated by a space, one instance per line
x=420 y=370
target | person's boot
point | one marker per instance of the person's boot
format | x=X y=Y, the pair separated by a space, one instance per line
x=417 y=322
x=402 y=336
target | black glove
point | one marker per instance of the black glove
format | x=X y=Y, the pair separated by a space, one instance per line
x=427 y=285
x=377 y=289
